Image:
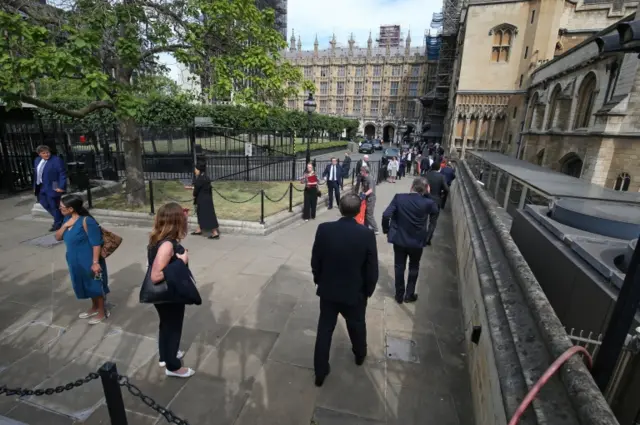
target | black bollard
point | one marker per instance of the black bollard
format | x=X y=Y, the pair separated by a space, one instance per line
x=112 y=393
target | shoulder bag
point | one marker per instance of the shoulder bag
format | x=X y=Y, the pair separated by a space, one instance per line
x=110 y=241
x=156 y=293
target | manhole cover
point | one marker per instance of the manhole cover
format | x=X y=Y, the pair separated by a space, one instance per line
x=402 y=349
x=46 y=241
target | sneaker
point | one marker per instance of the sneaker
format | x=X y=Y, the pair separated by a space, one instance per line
x=180 y=355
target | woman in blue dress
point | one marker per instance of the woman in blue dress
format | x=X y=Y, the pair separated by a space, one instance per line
x=83 y=238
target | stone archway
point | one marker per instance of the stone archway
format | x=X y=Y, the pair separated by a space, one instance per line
x=388 y=133
x=571 y=164
x=369 y=131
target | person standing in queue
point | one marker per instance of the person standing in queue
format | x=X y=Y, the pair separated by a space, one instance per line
x=344 y=263
x=438 y=186
x=346 y=167
x=405 y=224
x=49 y=183
x=368 y=186
x=203 y=200
x=333 y=176
x=449 y=174
x=310 y=181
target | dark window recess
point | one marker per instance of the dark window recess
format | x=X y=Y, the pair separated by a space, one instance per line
x=526 y=52
x=533 y=15
x=521 y=78
x=515 y=112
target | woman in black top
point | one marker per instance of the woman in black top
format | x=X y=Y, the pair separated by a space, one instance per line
x=203 y=200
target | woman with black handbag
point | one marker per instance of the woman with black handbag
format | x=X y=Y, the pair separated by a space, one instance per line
x=170 y=227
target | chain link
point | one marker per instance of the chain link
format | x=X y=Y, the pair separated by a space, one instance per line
x=23 y=392
x=171 y=417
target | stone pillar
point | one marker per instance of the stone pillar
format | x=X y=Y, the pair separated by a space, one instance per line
x=464 y=135
x=492 y=127
x=476 y=141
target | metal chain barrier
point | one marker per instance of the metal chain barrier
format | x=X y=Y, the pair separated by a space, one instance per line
x=286 y=192
x=231 y=200
x=171 y=417
x=23 y=392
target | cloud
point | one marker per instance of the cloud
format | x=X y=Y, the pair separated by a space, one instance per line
x=343 y=17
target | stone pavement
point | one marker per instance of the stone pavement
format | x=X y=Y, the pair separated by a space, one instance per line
x=251 y=342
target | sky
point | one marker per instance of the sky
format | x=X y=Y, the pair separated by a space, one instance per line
x=343 y=17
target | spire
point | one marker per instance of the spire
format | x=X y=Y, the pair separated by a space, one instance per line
x=352 y=41
x=292 y=45
x=369 y=44
x=315 y=46
x=407 y=48
x=299 y=43
x=333 y=43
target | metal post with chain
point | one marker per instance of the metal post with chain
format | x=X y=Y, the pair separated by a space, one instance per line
x=111 y=383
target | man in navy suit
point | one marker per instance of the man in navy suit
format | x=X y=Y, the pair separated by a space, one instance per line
x=344 y=263
x=449 y=176
x=49 y=183
x=333 y=176
x=405 y=223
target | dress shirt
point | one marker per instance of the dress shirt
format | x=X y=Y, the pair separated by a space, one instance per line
x=332 y=173
x=40 y=170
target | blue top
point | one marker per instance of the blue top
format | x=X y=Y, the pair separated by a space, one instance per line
x=80 y=245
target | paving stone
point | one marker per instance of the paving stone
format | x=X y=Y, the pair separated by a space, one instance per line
x=101 y=417
x=296 y=342
x=263 y=266
x=323 y=416
x=269 y=312
x=358 y=390
x=126 y=348
x=290 y=281
x=410 y=407
x=240 y=355
x=33 y=335
x=31 y=370
x=11 y=355
x=32 y=415
x=282 y=394
x=209 y=399
x=10 y=313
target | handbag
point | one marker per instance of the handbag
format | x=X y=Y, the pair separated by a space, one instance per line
x=110 y=241
x=156 y=293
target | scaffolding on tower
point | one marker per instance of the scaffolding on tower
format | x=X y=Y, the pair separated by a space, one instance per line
x=441 y=45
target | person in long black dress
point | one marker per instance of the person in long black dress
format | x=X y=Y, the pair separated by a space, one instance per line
x=203 y=200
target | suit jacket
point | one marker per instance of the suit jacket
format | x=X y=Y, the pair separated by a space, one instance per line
x=181 y=283
x=425 y=163
x=327 y=172
x=346 y=166
x=54 y=171
x=437 y=184
x=344 y=261
x=405 y=219
x=449 y=174
x=359 y=165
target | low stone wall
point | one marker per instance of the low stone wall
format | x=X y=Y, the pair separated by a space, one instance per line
x=520 y=335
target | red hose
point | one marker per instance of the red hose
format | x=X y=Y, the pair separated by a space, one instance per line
x=545 y=377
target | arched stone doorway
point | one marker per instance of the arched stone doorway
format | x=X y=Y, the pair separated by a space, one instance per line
x=571 y=164
x=388 y=134
x=369 y=131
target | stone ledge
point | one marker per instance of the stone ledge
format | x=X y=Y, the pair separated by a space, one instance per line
x=524 y=334
x=145 y=220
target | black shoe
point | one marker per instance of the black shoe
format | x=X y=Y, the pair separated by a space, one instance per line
x=54 y=228
x=214 y=237
x=330 y=208
x=399 y=299
x=428 y=243
x=320 y=378
x=360 y=360
x=411 y=298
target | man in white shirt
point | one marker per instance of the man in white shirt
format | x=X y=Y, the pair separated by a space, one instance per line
x=49 y=183
x=364 y=162
x=333 y=176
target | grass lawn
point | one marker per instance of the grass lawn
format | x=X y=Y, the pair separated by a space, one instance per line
x=236 y=191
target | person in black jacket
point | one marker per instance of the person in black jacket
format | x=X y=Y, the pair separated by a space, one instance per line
x=346 y=167
x=344 y=263
x=438 y=186
x=203 y=200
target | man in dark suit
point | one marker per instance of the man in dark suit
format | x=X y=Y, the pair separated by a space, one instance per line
x=437 y=187
x=363 y=162
x=333 y=176
x=405 y=223
x=449 y=176
x=425 y=165
x=346 y=167
x=49 y=183
x=344 y=263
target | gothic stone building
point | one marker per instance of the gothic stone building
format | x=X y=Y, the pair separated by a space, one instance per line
x=380 y=86
x=583 y=116
x=505 y=47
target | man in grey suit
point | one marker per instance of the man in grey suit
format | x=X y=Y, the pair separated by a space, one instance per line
x=438 y=186
x=365 y=181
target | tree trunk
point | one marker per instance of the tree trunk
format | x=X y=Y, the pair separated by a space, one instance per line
x=136 y=190
x=170 y=142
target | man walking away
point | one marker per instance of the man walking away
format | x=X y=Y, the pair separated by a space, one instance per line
x=425 y=164
x=344 y=263
x=405 y=223
x=49 y=183
x=346 y=167
x=333 y=175
x=449 y=176
x=364 y=162
x=410 y=156
x=438 y=186
x=365 y=181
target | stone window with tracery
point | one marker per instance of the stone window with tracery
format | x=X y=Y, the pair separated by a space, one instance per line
x=622 y=182
x=502 y=40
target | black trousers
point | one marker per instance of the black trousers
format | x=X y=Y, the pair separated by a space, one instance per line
x=400 y=255
x=171 y=319
x=433 y=221
x=443 y=199
x=408 y=166
x=310 y=203
x=334 y=190
x=354 y=315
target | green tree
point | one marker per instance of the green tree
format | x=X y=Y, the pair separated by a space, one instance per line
x=104 y=46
